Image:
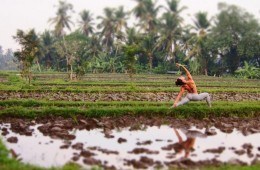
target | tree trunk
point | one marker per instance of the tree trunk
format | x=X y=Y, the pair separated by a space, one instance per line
x=206 y=68
x=150 y=61
x=206 y=71
x=37 y=62
x=71 y=72
x=66 y=54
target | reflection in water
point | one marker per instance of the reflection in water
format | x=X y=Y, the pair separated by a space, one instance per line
x=149 y=142
x=187 y=145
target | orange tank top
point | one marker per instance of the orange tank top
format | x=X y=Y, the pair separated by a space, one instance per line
x=191 y=87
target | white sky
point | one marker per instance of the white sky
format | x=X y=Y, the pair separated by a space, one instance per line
x=28 y=14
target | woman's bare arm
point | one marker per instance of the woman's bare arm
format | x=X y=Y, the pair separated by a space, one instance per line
x=185 y=69
x=178 y=97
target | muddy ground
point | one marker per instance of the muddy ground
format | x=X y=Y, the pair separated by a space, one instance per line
x=59 y=127
x=121 y=96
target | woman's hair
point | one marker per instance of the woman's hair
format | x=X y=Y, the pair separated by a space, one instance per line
x=179 y=82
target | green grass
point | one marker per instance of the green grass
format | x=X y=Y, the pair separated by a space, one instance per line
x=93 y=83
x=232 y=167
x=106 y=89
x=33 y=108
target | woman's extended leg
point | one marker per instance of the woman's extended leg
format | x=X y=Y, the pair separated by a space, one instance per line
x=183 y=101
x=207 y=97
x=201 y=96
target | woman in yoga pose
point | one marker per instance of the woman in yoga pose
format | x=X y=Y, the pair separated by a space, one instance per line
x=189 y=86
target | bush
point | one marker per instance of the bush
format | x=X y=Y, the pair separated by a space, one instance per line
x=248 y=71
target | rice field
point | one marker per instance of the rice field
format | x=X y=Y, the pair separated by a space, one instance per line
x=132 y=103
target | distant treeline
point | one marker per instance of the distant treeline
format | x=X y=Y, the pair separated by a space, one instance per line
x=159 y=38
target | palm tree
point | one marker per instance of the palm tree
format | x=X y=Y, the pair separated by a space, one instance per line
x=199 y=49
x=131 y=36
x=86 y=24
x=146 y=12
x=61 y=21
x=120 y=24
x=171 y=29
x=107 y=26
x=48 y=49
x=120 y=19
x=93 y=50
x=148 y=45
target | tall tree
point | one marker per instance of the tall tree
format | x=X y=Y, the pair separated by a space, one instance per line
x=200 y=50
x=107 y=26
x=132 y=36
x=146 y=11
x=93 y=50
x=49 y=58
x=86 y=24
x=62 y=19
x=120 y=26
x=148 y=48
x=171 y=29
x=30 y=51
x=236 y=33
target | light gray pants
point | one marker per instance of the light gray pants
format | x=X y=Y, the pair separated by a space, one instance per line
x=195 y=97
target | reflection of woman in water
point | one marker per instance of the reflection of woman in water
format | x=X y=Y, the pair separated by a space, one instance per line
x=188 y=144
x=189 y=86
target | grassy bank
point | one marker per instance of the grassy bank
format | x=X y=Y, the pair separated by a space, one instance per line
x=32 y=109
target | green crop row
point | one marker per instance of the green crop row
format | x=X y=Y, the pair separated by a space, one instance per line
x=144 y=84
x=40 y=103
x=195 y=109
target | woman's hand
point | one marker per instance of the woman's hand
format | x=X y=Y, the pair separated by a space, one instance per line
x=173 y=106
x=178 y=65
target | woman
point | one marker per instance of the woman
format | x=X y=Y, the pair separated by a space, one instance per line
x=189 y=86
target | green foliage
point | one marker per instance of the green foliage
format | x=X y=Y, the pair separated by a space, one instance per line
x=161 y=40
x=194 y=109
x=240 y=41
x=80 y=72
x=248 y=71
x=30 y=52
x=160 y=69
x=15 y=79
x=130 y=58
x=195 y=66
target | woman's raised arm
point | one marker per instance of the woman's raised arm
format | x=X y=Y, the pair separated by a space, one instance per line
x=185 y=69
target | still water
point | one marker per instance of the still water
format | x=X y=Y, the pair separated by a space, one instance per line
x=123 y=145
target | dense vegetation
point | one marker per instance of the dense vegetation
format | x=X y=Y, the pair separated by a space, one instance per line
x=159 y=37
